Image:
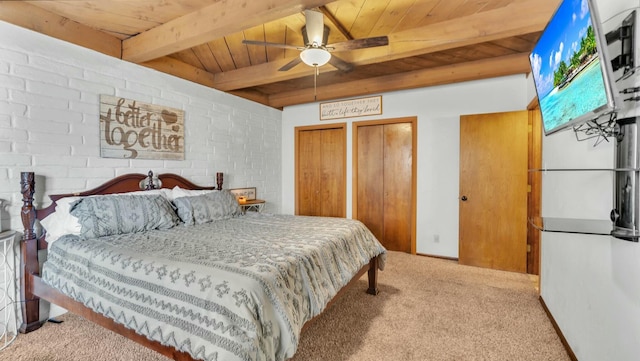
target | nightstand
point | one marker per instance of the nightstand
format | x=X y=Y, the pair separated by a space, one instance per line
x=8 y=323
x=254 y=205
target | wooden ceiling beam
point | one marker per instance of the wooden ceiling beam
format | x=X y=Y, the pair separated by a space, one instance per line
x=262 y=74
x=185 y=71
x=253 y=95
x=518 y=18
x=182 y=70
x=211 y=22
x=474 y=70
x=37 y=19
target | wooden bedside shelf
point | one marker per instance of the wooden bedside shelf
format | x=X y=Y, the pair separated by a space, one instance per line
x=254 y=205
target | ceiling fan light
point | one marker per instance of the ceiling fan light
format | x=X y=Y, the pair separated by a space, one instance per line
x=315 y=56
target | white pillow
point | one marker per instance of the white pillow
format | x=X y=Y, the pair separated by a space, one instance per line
x=61 y=222
x=178 y=192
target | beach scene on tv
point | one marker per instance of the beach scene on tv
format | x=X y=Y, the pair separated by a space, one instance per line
x=566 y=66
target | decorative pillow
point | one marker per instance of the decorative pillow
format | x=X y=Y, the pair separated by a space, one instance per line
x=207 y=207
x=119 y=214
x=61 y=222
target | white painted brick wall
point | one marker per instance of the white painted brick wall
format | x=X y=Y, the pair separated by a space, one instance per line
x=49 y=124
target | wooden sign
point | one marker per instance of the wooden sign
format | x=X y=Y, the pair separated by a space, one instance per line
x=351 y=108
x=135 y=130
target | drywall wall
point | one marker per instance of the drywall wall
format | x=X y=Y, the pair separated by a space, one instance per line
x=438 y=110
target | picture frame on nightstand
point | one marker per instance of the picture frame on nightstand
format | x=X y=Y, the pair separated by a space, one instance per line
x=249 y=193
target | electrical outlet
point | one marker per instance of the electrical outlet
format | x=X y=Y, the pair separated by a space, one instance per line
x=436 y=238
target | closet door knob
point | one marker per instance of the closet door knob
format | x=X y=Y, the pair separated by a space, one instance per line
x=464 y=198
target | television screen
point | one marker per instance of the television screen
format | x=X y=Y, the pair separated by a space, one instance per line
x=570 y=67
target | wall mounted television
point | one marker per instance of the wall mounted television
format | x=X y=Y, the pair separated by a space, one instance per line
x=571 y=68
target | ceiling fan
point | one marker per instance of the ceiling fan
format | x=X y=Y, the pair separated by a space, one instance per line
x=316 y=52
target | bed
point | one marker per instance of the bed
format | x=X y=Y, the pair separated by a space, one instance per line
x=180 y=269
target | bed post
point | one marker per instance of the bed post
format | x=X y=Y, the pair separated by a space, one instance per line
x=373 y=276
x=29 y=256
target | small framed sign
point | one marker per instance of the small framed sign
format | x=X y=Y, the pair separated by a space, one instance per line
x=248 y=193
x=351 y=108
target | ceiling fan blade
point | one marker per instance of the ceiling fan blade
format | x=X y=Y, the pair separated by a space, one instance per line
x=277 y=45
x=291 y=64
x=340 y=64
x=359 y=43
x=315 y=26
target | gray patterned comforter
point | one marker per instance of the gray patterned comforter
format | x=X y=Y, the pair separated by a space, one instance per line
x=238 y=289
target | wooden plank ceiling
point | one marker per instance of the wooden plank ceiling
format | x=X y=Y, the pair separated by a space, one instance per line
x=431 y=42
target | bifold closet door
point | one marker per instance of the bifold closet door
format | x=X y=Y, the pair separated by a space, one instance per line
x=370 y=170
x=320 y=172
x=385 y=183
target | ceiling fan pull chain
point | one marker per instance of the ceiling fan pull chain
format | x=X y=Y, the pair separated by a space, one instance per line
x=315 y=82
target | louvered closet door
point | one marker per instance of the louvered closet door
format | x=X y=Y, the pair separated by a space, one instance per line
x=384 y=185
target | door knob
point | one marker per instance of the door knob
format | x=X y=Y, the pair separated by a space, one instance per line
x=614 y=215
x=464 y=198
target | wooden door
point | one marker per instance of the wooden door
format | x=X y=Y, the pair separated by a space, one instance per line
x=369 y=208
x=321 y=170
x=384 y=181
x=493 y=190
x=397 y=186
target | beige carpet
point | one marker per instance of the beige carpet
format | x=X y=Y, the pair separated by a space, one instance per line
x=427 y=309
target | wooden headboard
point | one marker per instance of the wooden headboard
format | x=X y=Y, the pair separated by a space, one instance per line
x=125 y=183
